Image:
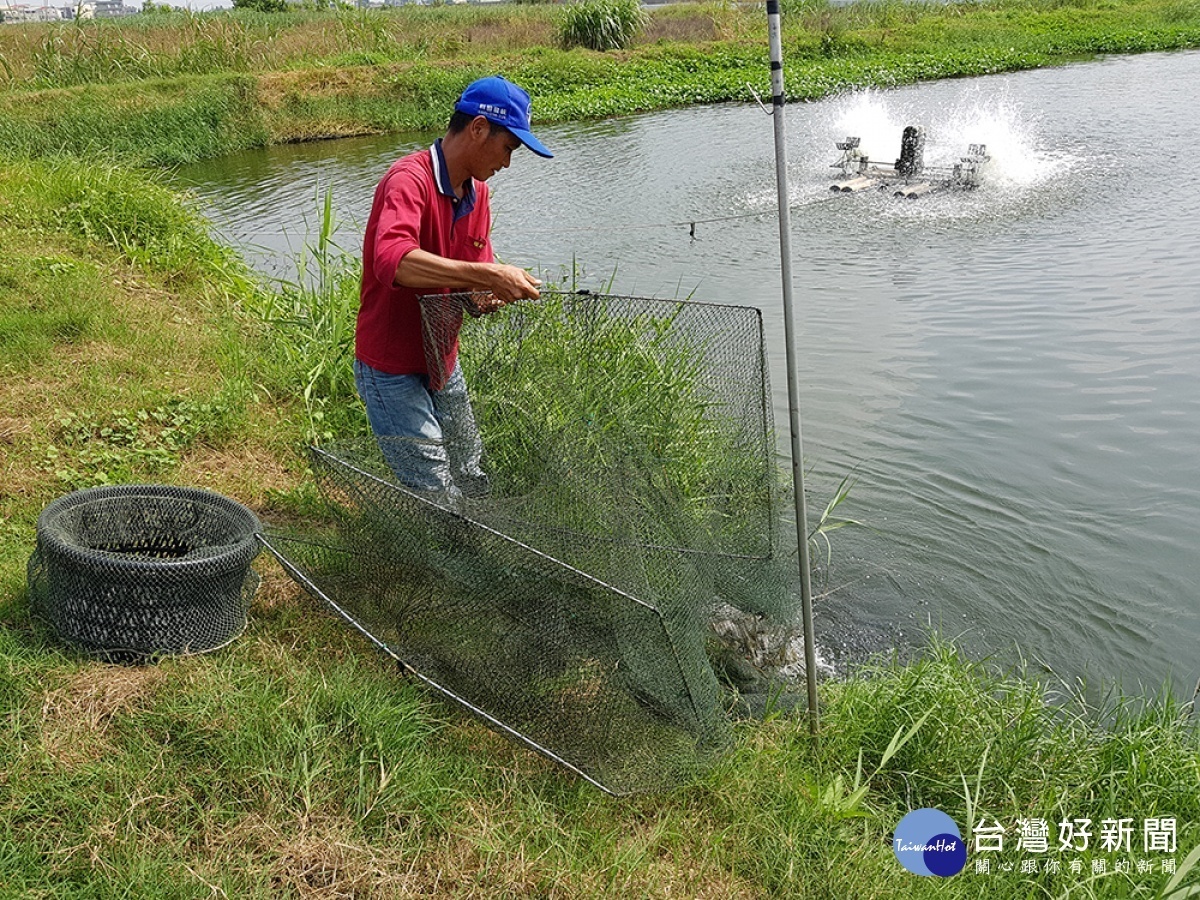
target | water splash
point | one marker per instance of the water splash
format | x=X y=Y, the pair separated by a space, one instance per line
x=1013 y=139
x=1028 y=170
x=1011 y=133
x=870 y=116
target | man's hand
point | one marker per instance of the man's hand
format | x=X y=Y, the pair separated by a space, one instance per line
x=509 y=284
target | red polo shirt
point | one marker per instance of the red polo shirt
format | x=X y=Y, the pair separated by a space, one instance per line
x=414 y=207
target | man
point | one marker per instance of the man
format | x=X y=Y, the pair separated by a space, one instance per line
x=430 y=231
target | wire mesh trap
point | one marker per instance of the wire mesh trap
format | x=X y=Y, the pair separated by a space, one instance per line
x=133 y=571
x=630 y=495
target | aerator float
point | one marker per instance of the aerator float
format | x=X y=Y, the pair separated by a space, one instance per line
x=908 y=177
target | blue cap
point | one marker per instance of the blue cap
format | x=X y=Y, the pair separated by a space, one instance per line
x=503 y=103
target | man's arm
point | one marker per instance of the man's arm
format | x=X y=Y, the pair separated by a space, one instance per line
x=422 y=269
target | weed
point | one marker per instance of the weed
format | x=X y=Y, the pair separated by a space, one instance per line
x=828 y=521
x=46 y=302
x=86 y=452
x=166 y=90
x=601 y=24
x=311 y=321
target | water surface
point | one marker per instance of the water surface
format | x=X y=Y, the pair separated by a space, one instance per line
x=1012 y=376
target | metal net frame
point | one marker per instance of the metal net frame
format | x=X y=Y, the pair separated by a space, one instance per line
x=631 y=497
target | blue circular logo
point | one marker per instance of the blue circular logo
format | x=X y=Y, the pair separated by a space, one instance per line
x=927 y=842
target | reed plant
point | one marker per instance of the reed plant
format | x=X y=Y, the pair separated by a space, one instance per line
x=541 y=378
x=309 y=338
x=829 y=521
x=186 y=44
x=601 y=24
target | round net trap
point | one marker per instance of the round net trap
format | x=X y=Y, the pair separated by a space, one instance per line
x=134 y=571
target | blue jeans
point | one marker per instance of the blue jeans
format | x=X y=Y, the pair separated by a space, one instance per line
x=428 y=438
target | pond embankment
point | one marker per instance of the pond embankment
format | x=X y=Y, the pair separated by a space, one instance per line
x=177 y=88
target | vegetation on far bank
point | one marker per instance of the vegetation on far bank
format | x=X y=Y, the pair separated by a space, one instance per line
x=296 y=762
x=167 y=89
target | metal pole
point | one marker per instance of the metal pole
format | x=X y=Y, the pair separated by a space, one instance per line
x=785 y=252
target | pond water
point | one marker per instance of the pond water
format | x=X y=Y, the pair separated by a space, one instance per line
x=1011 y=376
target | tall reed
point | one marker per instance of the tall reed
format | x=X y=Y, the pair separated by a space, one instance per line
x=601 y=24
x=311 y=319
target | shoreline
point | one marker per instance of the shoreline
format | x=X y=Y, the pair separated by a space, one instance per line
x=123 y=97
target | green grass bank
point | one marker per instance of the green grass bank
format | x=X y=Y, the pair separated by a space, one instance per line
x=296 y=763
x=166 y=89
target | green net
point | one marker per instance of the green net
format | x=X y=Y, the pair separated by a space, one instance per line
x=630 y=501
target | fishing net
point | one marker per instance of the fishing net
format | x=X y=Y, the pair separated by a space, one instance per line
x=132 y=571
x=628 y=499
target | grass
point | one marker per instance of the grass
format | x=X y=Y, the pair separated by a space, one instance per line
x=123 y=358
x=601 y=24
x=310 y=323
x=297 y=763
x=534 y=386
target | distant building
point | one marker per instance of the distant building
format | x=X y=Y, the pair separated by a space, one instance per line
x=17 y=14
x=105 y=9
x=113 y=9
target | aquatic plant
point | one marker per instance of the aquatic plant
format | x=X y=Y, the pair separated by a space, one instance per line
x=163 y=90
